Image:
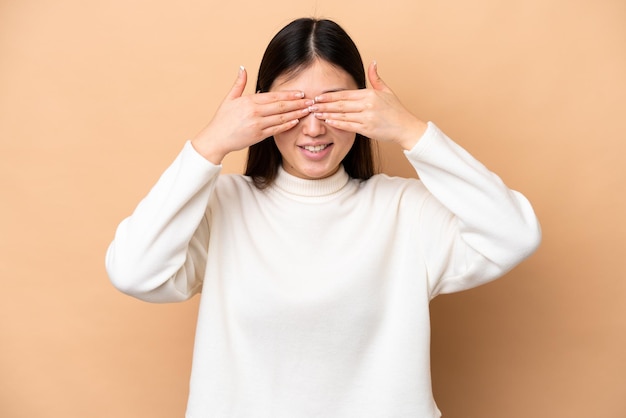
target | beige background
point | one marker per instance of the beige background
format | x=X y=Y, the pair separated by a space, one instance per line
x=97 y=97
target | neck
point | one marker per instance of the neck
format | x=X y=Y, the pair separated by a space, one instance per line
x=297 y=186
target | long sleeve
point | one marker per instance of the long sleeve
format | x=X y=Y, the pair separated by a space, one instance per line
x=159 y=252
x=485 y=228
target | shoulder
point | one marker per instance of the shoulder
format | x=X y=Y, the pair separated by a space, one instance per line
x=392 y=190
x=235 y=184
x=233 y=188
x=384 y=183
x=233 y=194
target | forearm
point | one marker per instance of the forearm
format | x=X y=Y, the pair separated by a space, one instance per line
x=158 y=253
x=496 y=222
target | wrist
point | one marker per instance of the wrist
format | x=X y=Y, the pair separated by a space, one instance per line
x=209 y=151
x=412 y=135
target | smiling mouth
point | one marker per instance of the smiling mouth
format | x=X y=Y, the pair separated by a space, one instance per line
x=316 y=148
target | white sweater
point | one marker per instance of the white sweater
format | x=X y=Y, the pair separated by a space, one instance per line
x=315 y=293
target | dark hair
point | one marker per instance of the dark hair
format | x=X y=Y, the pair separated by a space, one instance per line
x=292 y=49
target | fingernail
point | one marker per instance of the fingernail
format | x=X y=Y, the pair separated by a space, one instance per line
x=318 y=98
x=313 y=108
x=309 y=103
x=299 y=95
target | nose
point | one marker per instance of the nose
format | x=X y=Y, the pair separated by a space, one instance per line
x=312 y=126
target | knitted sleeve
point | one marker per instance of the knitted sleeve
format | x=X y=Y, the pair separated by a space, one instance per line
x=475 y=227
x=159 y=252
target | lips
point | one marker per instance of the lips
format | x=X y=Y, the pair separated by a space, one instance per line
x=316 y=148
x=316 y=152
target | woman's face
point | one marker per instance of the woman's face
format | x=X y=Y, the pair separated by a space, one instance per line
x=313 y=149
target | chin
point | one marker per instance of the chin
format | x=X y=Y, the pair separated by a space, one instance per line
x=310 y=171
x=319 y=174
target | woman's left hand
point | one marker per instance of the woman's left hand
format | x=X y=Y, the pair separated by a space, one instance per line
x=376 y=113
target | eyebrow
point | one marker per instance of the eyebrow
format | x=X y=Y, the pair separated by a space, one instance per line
x=335 y=90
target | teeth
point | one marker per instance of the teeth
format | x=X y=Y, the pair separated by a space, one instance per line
x=316 y=148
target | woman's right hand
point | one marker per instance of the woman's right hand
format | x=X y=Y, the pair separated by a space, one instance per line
x=241 y=121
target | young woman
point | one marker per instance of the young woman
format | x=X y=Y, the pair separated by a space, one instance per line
x=316 y=273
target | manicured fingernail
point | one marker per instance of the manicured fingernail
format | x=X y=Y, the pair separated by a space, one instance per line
x=309 y=103
x=313 y=108
x=318 y=98
x=299 y=94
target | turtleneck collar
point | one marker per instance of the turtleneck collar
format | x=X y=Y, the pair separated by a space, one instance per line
x=297 y=186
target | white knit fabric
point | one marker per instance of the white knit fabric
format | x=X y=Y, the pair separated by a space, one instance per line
x=315 y=293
